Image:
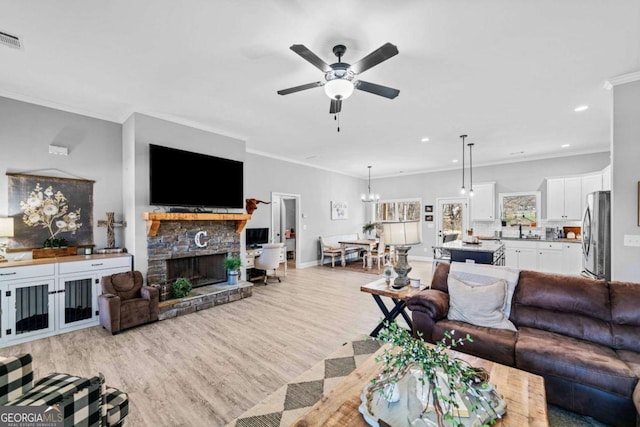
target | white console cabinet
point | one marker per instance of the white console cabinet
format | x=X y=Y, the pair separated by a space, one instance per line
x=39 y=298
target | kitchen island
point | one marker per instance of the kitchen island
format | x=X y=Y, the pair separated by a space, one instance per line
x=483 y=252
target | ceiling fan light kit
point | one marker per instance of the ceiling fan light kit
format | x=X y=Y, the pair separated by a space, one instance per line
x=338 y=89
x=340 y=77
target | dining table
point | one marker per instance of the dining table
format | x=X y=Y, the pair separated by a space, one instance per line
x=366 y=244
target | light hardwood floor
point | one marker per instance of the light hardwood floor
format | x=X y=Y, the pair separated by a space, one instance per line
x=207 y=368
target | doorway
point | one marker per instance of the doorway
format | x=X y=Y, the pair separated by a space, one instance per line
x=452 y=216
x=285 y=220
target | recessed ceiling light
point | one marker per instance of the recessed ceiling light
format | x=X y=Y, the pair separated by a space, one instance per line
x=581 y=108
x=515 y=153
x=425 y=139
x=565 y=145
x=454 y=161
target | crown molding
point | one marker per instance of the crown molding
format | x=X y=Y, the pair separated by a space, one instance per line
x=298 y=162
x=620 y=80
x=57 y=106
x=184 y=122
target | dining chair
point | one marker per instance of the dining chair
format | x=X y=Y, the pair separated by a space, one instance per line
x=379 y=254
x=442 y=255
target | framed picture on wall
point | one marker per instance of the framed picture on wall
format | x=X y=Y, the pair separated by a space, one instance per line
x=428 y=218
x=339 y=210
x=428 y=208
x=45 y=208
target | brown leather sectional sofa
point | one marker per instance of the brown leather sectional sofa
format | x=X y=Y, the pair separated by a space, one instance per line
x=581 y=335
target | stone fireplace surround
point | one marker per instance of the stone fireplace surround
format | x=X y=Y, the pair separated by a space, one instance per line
x=176 y=240
x=173 y=241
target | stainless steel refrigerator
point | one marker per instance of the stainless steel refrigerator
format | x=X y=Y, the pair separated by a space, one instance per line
x=596 y=236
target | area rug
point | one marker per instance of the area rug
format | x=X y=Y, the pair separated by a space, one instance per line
x=293 y=400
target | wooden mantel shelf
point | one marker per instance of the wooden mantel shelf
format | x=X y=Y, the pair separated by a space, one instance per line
x=153 y=219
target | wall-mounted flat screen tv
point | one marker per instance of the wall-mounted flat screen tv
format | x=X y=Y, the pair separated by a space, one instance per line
x=184 y=178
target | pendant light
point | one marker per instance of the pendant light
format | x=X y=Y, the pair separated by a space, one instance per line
x=370 y=197
x=462 y=189
x=470 y=145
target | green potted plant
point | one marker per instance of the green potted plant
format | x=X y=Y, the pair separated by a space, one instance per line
x=369 y=227
x=438 y=378
x=232 y=264
x=181 y=287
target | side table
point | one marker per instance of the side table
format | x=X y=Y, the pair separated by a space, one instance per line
x=379 y=289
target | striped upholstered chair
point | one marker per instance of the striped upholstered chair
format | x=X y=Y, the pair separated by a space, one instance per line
x=75 y=401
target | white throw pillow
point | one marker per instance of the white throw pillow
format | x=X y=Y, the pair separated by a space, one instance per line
x=479 y=305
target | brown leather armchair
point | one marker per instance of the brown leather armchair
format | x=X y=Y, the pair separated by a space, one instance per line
x=125 y=302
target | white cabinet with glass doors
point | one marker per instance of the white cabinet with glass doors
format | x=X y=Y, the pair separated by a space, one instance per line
x=39 y=300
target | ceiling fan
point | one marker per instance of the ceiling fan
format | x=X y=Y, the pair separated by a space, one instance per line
x=340 y=78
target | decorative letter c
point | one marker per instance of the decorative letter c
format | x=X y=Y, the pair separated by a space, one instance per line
x=197 y=241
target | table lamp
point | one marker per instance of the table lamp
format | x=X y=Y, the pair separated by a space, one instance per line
x=6 y=230
x=400 y=235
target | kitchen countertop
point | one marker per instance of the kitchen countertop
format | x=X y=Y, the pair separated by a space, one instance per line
x=483 y=246
x=515 y=239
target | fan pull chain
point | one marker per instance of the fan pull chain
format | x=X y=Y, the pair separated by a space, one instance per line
x=337 y=117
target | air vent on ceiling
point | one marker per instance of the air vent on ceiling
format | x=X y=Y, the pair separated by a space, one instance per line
x=10 y=40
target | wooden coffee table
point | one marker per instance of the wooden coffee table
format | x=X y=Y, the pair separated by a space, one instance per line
x=379 y=289
x=523 y=392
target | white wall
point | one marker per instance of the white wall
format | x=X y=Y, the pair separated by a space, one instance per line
x=95 y=153
x=316 y=187
x=141 y=130
x=626 y=176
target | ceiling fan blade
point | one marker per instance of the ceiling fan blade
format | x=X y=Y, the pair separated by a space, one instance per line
x=383 y=53
x=336 y=106
x=387 y=92
x=302 y=50
x=299 y=88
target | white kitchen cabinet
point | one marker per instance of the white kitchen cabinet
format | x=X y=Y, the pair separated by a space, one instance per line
x=550 y=257
x=546 y=256
x=483 y=202
x=521 y=254
x=564 y=197
x=47 y=298
x=571 y=259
